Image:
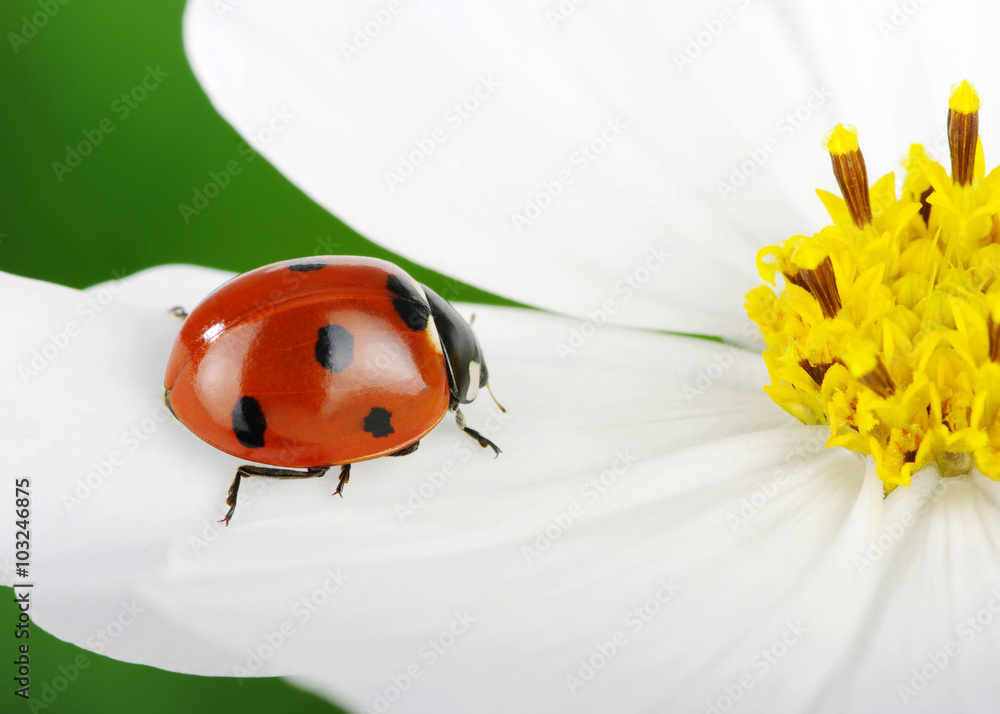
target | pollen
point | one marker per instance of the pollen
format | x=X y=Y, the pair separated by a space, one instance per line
x=885 y=325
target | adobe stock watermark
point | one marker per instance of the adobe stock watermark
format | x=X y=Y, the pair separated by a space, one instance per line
x=220 y=180
x=452 y=289
x=786 y=127
x=272 y=641
x=211 y=530
x=92 y=304
x=460 y=112
x=122 y=109
x=706 y=377
x=892 y=533
x=760 y=664
x=559 y=13
x=625 y=289
x=51 y=689
x=937 y=660
x=432 y=482
x=365 y=33
x=101 y=470
x=634 y=621
x=939 y=148
x=900 y=14
x=582 y=158
x=788 y=474
x=106 y=636
x=30 y=25
x=428 y=654
x=224 y=7
x=751 y=505
x=711 y=30
x=560 y=522
x=326 y=245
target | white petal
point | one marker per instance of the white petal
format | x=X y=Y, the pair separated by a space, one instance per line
x=758 y=525
x=892 y=66
x=118 y=483
x=162 y=288
x=929 y=642
x=663 y=523
x=344 y=121
x=111 y=477
x=763 y=84
x=670 y=516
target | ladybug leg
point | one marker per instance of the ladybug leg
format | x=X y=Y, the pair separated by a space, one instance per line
x=407 y=449
x=345 y=476
x=178 y=312
x=483 y=441
x=269 y=472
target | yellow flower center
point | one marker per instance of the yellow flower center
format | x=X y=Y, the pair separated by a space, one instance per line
x=886 y=325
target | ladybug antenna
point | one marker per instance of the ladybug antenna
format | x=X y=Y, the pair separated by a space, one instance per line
x=472 y=318
x=494 y=398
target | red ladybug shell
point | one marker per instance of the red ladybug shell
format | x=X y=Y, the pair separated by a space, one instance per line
x=311 y=362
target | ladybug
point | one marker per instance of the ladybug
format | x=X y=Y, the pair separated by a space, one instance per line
x=321 y=362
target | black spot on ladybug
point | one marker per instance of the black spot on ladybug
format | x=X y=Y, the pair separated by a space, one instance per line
x=306 y=266
x=249 y=423
x=334 y=347
x=410 y=306
x=377 y=422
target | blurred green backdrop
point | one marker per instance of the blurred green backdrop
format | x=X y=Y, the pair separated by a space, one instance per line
x=117 y=210
x=106 y=686
x=64 y=66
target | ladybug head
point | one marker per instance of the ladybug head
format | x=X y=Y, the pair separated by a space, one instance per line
x=462 y=354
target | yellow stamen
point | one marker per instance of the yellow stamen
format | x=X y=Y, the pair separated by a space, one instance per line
x=879 y=381
x=849 y=168
x=994 y=333
x=963 y=131
x=964 y=98
x=816 y=371
x=822 y=285
x=887 y=328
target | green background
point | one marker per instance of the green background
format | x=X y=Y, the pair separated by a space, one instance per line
x=106 y=686
x=117 y=212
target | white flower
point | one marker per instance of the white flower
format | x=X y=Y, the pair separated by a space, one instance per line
x=657 y=535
